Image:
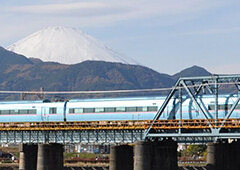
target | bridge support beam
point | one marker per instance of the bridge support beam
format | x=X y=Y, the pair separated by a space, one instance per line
x=158 y=155
x=222 y=156
x=43 y=161
x=56 y=156
x=143 y=155
x=121 y=157
x=50 y=157
x=41 y=157
x=28 y=156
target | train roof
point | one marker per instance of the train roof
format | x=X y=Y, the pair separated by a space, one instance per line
x=20 y=102
x=140 y=98
x=26 y=101
x=118 y=99
x=105 y=99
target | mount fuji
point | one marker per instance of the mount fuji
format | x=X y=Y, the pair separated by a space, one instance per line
x=66 y=46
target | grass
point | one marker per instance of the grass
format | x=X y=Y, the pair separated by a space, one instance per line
x=70 y=155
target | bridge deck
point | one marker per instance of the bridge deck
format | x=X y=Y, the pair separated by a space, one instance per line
x=122 y=125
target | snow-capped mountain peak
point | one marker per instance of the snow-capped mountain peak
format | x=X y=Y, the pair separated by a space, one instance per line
x=67 y=46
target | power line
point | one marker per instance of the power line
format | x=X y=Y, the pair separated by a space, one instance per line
x=111 y=91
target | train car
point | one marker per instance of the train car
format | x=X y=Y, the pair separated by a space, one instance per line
x=113 y=109
x=146 y=108
x=31 y=111
x=191 y=111
x=142 y=108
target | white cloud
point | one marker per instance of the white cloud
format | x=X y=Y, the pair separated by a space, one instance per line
x=113 y=11
x=212 y=31
x=55 y=8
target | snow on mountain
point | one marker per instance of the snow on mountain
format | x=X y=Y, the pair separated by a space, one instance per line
x=67 y=46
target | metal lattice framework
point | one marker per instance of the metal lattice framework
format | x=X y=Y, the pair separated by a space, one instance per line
x=71 y=136
x=100 y=132
x=192 y=87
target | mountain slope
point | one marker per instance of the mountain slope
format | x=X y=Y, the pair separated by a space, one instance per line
x=193 y=71
x=7 y=57
x=108 y=76
x=67 y=46
x=89 y=75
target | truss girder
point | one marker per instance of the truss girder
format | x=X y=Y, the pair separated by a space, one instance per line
x=230 y=111
x=160 y=111
x=88 y=136
x=110 y=137
x=194 y=99
x=193 y=88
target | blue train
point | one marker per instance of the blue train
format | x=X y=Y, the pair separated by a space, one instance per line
x=143 y=108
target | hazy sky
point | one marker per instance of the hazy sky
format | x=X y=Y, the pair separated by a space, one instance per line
x=166 y=35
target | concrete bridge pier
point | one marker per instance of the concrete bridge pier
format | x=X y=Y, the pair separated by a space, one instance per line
x=143 y=155
x=121 y=157
x=56 y=156
x=28 y=156
x=165 y=155
x=43 y=162
x=41 y=156
x=222 y=156
x=158 y=155
x=50 y=157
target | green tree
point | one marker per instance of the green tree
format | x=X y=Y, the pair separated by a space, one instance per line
x=196 y=150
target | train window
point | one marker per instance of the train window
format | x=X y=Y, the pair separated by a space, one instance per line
x=145 y=109
x=120 y=109
x=139 y=109
x=230 y=106
x=109 y=109
x=52 y=110
x=33 y=111
x=5 y=112
x=152 y=108
x=14 y=112
x=78 y=110
x=211 y=107
x=131 y=109
x=71 y=110
x=220 y=107
x=227 y=107
x=142 y=109
x=23 y=111
x=88 y=110
x=238 y=106
x=99 y=110
x=224 y=107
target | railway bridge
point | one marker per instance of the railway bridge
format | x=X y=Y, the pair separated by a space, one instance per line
x=105 y=132
x=208 y=129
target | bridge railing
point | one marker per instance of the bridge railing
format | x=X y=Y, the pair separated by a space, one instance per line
x=128 y=125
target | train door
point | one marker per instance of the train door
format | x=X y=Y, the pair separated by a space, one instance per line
x=44 y=114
